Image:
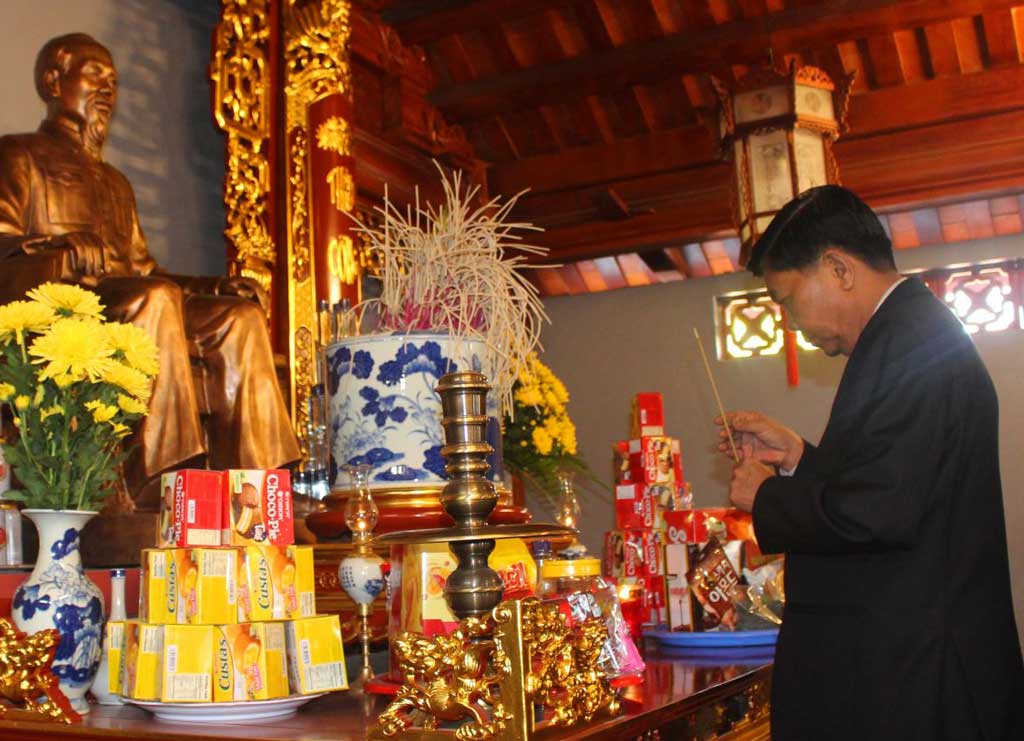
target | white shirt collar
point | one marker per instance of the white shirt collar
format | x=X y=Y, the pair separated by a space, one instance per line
x=886 y=295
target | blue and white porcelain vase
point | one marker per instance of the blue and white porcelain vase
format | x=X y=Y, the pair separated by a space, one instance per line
x=58 y=594
x=385 y=412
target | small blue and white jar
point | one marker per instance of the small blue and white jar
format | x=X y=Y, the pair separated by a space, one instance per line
x=362 y=577
x=58 y=594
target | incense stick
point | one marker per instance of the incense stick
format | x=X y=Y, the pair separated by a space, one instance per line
x=718 y=399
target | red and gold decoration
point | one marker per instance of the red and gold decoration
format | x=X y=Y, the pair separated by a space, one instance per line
x=26 y=679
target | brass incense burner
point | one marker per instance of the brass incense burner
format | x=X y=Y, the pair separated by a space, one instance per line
x=506 y=659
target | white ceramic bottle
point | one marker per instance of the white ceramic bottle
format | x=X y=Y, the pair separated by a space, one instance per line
x=114 y=631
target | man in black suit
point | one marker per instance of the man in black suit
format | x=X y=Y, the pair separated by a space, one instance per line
x=899 y=622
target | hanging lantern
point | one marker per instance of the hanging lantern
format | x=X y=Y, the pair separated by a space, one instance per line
x=777 y=127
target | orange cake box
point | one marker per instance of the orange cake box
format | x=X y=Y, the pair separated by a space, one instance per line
x=316 y=659
x=258 y=508
x=251 y=663
x=208 y=586
x=191 y=508
x=187 y=663
x=159 y=587
x=141 y=660
x=276 y=583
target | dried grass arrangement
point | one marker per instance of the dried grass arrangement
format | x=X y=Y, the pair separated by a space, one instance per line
x=456 y=268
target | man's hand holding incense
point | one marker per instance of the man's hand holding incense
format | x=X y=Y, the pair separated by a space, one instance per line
x=760 y=438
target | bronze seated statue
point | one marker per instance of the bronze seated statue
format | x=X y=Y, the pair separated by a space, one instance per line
x=67 y=215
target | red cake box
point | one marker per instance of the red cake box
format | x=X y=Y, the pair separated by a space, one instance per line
x=634 y=507
x=655 y=460
x=258 y=507
x=190 y=509
x=653 y=553
x=632 y=553
x=613 y=557
x=691 y=525
x=648 y=417
x=654 y=603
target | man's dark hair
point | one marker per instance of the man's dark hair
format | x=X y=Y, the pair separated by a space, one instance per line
x=57 y=54
x=822 y=217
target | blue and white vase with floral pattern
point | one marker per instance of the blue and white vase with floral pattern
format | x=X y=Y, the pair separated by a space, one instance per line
x=385 y=412
x=58 y=594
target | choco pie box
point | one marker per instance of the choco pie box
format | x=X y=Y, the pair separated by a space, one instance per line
x=655 y=460
x=190 y=508
x=258 y=507
x=634 y=507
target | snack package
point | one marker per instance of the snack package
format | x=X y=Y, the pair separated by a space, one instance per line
x=316 y=659
x=141 y=660
x=680 y=603
x=190 y=508
x=712 y=579
x=653 y=553
x=187 y=663
x=209 y=591
x=158 y=588
x=633 y=553
x=113 y=646
x=655 y=460
x=647 y=415
x=634 y=506
x=251 y=662
x=276 y=583
x=258 y=505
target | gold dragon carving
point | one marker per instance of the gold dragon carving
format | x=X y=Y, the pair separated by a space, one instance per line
x=26 y=679
x=491 y=672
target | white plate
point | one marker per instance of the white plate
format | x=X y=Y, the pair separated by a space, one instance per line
x=225 y=712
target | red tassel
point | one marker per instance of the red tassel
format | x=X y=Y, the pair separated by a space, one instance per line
x=789 y=343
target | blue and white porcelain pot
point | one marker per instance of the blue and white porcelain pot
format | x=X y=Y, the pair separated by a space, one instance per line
x=384 y=410
x=58 y=594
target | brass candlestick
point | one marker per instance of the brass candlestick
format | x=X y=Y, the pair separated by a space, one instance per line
x=505 y=658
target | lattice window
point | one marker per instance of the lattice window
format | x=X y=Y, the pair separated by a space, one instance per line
x=987 y=298
x=983 y=298
x=751 y=326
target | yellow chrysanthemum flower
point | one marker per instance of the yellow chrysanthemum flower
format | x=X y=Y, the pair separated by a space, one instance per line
x=19 y=317
x=101 y=412
x=134 y=382
x=45 y=414
x=529 y=396
x=131 y=405
x=75 y=347
x=121 y=430
x=21 y=402
x=38 y=398
x=135 y=345
x=64 y=380
x=6 y=391
x=542 y=440
x=68 y=300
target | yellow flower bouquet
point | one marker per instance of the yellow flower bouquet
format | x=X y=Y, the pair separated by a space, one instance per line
x=539 y=439
x=74 y=383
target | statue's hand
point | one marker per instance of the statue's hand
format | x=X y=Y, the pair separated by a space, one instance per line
x=88 y=253
x=235 y=285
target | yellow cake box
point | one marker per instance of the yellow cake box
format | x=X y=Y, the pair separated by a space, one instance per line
x=316 y=660
x=187 y=663
x=276 y=583
x=251 y=663
x=114 y=633
x=209 y=587
x=141 y=659
x=159 y=589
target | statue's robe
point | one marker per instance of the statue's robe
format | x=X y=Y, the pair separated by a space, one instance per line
x=899 y=621
x=50 y=185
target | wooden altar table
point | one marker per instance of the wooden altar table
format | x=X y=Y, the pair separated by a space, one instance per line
x=681 y=699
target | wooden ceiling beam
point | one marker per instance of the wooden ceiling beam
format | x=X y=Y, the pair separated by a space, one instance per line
x=422 y=21
x=674 y=150
x=898 y=168
x=792 y=30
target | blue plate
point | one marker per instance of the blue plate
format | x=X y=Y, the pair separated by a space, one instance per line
x=723 y=639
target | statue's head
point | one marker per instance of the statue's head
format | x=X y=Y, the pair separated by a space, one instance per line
x=75 y=77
